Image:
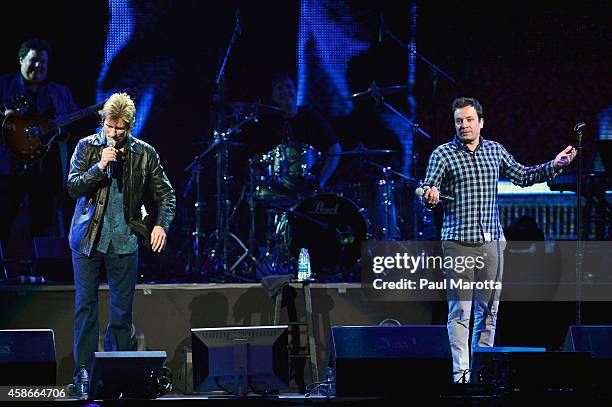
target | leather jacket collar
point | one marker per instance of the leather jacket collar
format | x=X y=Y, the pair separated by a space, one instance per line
x=131 y=145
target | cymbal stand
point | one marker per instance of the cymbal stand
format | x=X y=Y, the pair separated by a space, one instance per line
x=195 y=261
x=221 y=140
x=390 y=171
x=431 y=65
x=220 y=143
x=379 y=98
x=224 y=204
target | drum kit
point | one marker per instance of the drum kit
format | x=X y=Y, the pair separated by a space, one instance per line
x=287 y=212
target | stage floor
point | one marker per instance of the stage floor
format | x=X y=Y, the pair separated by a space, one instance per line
x=165 y=313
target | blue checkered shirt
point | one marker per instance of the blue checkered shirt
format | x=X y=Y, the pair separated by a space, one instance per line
x=471 y=178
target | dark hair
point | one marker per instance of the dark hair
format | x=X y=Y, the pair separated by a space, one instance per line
x=283 y=76
x=34 y=43
x=463 y=102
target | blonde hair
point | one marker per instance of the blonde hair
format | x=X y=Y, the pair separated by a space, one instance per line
x=120 y=106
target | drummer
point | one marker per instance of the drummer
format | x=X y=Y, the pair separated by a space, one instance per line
x=297 y=125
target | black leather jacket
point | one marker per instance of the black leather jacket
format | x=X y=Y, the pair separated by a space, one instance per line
x=148 y=197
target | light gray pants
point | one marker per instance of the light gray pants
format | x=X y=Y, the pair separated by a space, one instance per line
x=487 y=267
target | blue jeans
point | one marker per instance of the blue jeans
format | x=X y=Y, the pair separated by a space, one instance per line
x=121 y=271
x=486 y=302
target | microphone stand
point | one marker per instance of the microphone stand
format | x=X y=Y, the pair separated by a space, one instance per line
x=580 y=232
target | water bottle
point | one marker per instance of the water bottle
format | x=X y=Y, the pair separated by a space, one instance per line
x=330 y=381
x=304 y=265
x=82 y=385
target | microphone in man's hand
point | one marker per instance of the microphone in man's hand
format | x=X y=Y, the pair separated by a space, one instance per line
x=110 y=142
x=420 y=192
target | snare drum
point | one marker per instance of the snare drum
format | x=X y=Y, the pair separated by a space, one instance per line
x=283 y=171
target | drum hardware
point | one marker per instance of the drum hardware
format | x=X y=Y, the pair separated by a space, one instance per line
x=222 y=240
x=389 y=170
x=434 y=68
x=284 y=171
x=278 y=179
x=374 y=91
x=383 y=202
x=377 y=94
x=388 y=196
x=362 y=150
x=295 y=213
x=217 y=247
x=255 y=108
x=329 y=226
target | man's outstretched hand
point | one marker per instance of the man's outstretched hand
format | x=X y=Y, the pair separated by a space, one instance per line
x=565 y=157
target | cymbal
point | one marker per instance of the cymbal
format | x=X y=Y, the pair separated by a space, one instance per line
x=376 y=92
x=257 y=108
x=363 y=151
x=230 y=144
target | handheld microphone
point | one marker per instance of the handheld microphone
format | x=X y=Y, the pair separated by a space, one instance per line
x=420 y=191
x=109 y=167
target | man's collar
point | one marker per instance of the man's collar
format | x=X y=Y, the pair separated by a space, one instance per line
x=460 y=146
x=24 y=84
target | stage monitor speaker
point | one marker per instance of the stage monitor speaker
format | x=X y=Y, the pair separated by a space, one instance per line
x=597 y=340
x=530 y=370
x=52 y=259
x=4 y=274
x=27 y=357
x=390 y=360
x=135 y=375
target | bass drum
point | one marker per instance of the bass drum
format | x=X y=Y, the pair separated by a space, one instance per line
x=331 y=228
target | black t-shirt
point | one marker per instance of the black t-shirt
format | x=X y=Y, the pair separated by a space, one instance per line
x=308 y=127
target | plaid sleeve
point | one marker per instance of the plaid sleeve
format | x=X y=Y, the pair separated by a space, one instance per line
x=525 y=176
x=434 y=174
x=435 y=170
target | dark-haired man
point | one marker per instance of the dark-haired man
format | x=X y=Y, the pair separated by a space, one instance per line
x=42 y=181
x=467 y=169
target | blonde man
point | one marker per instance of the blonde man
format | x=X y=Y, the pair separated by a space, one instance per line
x=112 y=176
